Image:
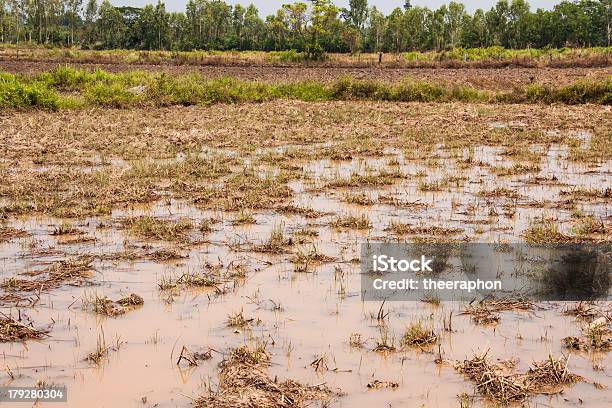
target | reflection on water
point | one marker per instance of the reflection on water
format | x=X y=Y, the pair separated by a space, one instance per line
x=300 y=316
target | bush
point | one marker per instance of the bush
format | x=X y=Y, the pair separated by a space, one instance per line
x=153 y=89
x=576 y=93
x=113 y=95
x=15 y=94
x=167 y=91
x=65 y=78
x=347 y=89
x=314 y=52
x=419 y=91
x=583 y=92
x=290 y=56
x=310 y=91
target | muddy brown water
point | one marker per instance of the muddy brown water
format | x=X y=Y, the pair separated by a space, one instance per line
x=318 y=310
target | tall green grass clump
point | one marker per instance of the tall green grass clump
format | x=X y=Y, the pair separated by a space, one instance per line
x=406 y=91
x=69 y=79
x=167 y=91
x=14 y=93
x=66 y=87
x=230 y=90
x=598 y=92
x=112 y=95
x=286 y=56
x=309 y=91
x=348 y=89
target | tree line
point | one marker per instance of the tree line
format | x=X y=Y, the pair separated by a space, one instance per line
x=318 y=24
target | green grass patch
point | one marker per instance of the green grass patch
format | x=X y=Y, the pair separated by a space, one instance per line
x=65 y=88
x=14 y=93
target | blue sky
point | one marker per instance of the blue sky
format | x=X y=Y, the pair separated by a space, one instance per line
x=270 y=6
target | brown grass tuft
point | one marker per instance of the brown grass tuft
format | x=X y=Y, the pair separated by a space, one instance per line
x=244 y=383
x=14 y=330
x=502 y=384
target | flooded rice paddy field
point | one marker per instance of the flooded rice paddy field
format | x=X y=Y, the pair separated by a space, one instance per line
x=146 y=247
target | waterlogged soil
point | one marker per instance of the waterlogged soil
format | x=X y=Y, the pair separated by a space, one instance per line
x=482 y=78
x=477 y=173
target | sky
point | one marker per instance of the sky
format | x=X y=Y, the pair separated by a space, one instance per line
x=267 y=7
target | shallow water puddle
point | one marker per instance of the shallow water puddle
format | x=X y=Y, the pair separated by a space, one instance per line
x=305 y=312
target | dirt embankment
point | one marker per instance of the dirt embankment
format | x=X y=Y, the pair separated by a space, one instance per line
x=484 y=78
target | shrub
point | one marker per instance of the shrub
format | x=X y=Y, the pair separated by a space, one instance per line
x=113 y=95
x=290 y=56
x=15 y=94
x=167 y=91
x=66 y=78
x=314 y=52
x=310 y=91
x=419 y=91
x=346 y=89
x=583 y=92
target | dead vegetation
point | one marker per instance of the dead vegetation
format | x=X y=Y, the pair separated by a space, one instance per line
x=102 y=349
x=588 y=311
x=68 y=270
x=192 y=357
x=378 y=384
x=65 y=228
x=305 y=212
x=244 y=383
x=400 y=228
x=8 y=233
x=502 y=192
x=160 y=229
x=210 y=276
x=276 y=242
x=417 y=335
x=588 y=193
x=359 y=222
x=358 y=198
x=500 y=382
x=545 y=231
x=12 y=329
x=384 y=343
x=108 y=307
x=243 y=217
x=487 y=311
x=237 y=319
x=597 y=336
x=310 y=255
x=329 y=147
x=516 y=169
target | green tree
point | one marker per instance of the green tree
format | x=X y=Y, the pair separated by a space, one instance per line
x=254 y=29
x=161 y=24
x=519 y=24
x=376 y=29
x=415 y=21
x=73 y=14
x=91 y=12
x=110 y=25
x=295 y=24
x=395 y=32
x=474 y=31
x=497 y=23
x=438 y=32
x=357 y=13
x=214 y=24
x=454 y=22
